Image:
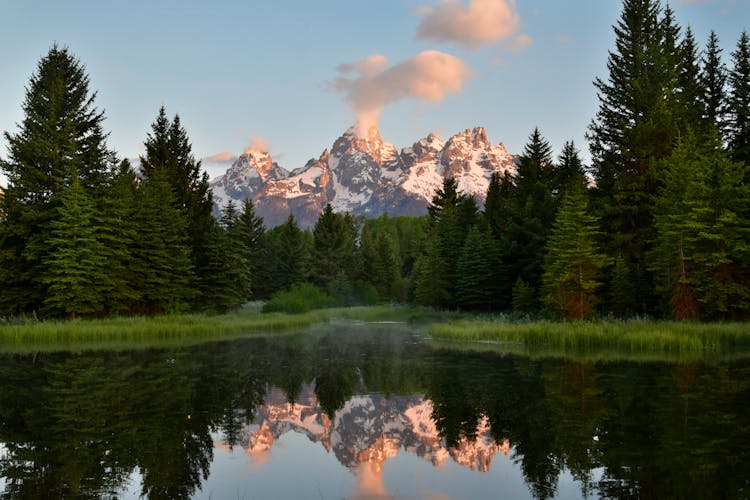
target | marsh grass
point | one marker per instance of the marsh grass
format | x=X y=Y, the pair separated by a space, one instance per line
x=129 y=332
x=679 y=339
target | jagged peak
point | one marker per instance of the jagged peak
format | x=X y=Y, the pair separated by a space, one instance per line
x=324 y=156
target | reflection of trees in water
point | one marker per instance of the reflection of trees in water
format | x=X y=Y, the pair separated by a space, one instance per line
x=81 y=424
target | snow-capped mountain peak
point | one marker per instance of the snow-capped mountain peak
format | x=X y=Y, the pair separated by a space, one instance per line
x=363 y=174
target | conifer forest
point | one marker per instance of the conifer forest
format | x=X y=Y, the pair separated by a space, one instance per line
x=657 y=225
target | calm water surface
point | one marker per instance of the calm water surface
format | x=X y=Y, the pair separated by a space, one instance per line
x=357 y=411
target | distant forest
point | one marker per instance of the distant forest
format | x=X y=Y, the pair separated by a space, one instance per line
x=657 y=225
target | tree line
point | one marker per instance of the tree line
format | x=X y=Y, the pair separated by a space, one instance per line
x=658 y=224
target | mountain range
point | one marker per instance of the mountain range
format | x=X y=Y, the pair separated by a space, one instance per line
x=363 y=175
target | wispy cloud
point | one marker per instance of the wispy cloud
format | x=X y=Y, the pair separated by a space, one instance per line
x=223 y=157
x=369 y=84
x=258 y=145
x=483 y=21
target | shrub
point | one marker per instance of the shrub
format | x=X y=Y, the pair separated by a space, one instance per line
x=299 y=298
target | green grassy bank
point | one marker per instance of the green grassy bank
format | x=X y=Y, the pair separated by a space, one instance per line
x=627 y=337
x=176 y=329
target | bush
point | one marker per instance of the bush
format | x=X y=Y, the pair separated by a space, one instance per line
x=299 y=298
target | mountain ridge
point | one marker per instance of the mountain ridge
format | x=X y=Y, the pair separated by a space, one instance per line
x=364 y=175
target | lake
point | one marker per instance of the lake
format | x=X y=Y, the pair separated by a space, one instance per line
x=368 y=411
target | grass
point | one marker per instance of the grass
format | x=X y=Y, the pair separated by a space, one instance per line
x=594 y=340
x=623 y=338
x=128 y=332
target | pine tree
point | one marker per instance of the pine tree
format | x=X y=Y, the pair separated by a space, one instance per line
x=169 y=154
x=118 y=234
x=689 y=105
x=532 y=211
x=640 y=115
x=713 y=78
x=430 y=282
x=61 y=133
x=573 y=262
x=451 y=215
x=738 y=106
x=722 y=229
x=248 y=233
x=76 y=272
x=334 y=247
x=671 y=259
x=380 y=263
x=479 y=283
x=162 y=270
x=569 y=169
x=285 y=258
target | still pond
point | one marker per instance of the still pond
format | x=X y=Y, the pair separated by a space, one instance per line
x=368 y=411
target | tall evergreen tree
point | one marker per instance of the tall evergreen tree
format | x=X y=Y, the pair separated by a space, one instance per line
x=738 y=105
x=713 y=78
x=77 y=272
x=285 y=258
x=248 y=233
x=116 y=221
x=635 y=128
x=169 y=153
x=532 y=211
x=61 y=133
x=671 y=259
x=689 y=105
x=573 y=262
x=480 y=277
x=162 y=271
x=722 y=221
x=569 y=169
x=451 y=215
x=334 y=249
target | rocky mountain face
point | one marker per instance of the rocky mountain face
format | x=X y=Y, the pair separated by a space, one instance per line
x=367 y=431
x=363 y=175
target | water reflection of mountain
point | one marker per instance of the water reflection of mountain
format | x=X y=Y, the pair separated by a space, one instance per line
x=367 y=431
x=79 y=425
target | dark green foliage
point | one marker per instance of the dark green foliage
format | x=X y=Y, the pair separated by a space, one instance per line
x=671 y=260
x=162 y=269
x=652 y=96
x=436 y=274
x=61 y=133
x=298 y=298
x=430 y=282
x=480 y=272
x=569 y=170
x=285 y=258
x=380 y=263
x=738 y=105
x=623 y=302
x=532 y=211
x=169 y=156
x=713 y=79
x=334 y=248
x=700 y=259
x=76 y=269
x=573 y=262
x=525 y=299
x=246 y=235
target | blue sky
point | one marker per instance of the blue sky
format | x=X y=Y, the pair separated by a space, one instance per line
x=272 y=71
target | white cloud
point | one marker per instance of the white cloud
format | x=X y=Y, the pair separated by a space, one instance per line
x=223 y=157
x=483 y=21
x=428 y=76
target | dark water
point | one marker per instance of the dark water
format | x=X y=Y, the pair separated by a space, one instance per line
x=367 y=412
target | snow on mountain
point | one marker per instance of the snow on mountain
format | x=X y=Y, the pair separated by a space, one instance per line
x=246 y=176
x=364 y=175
